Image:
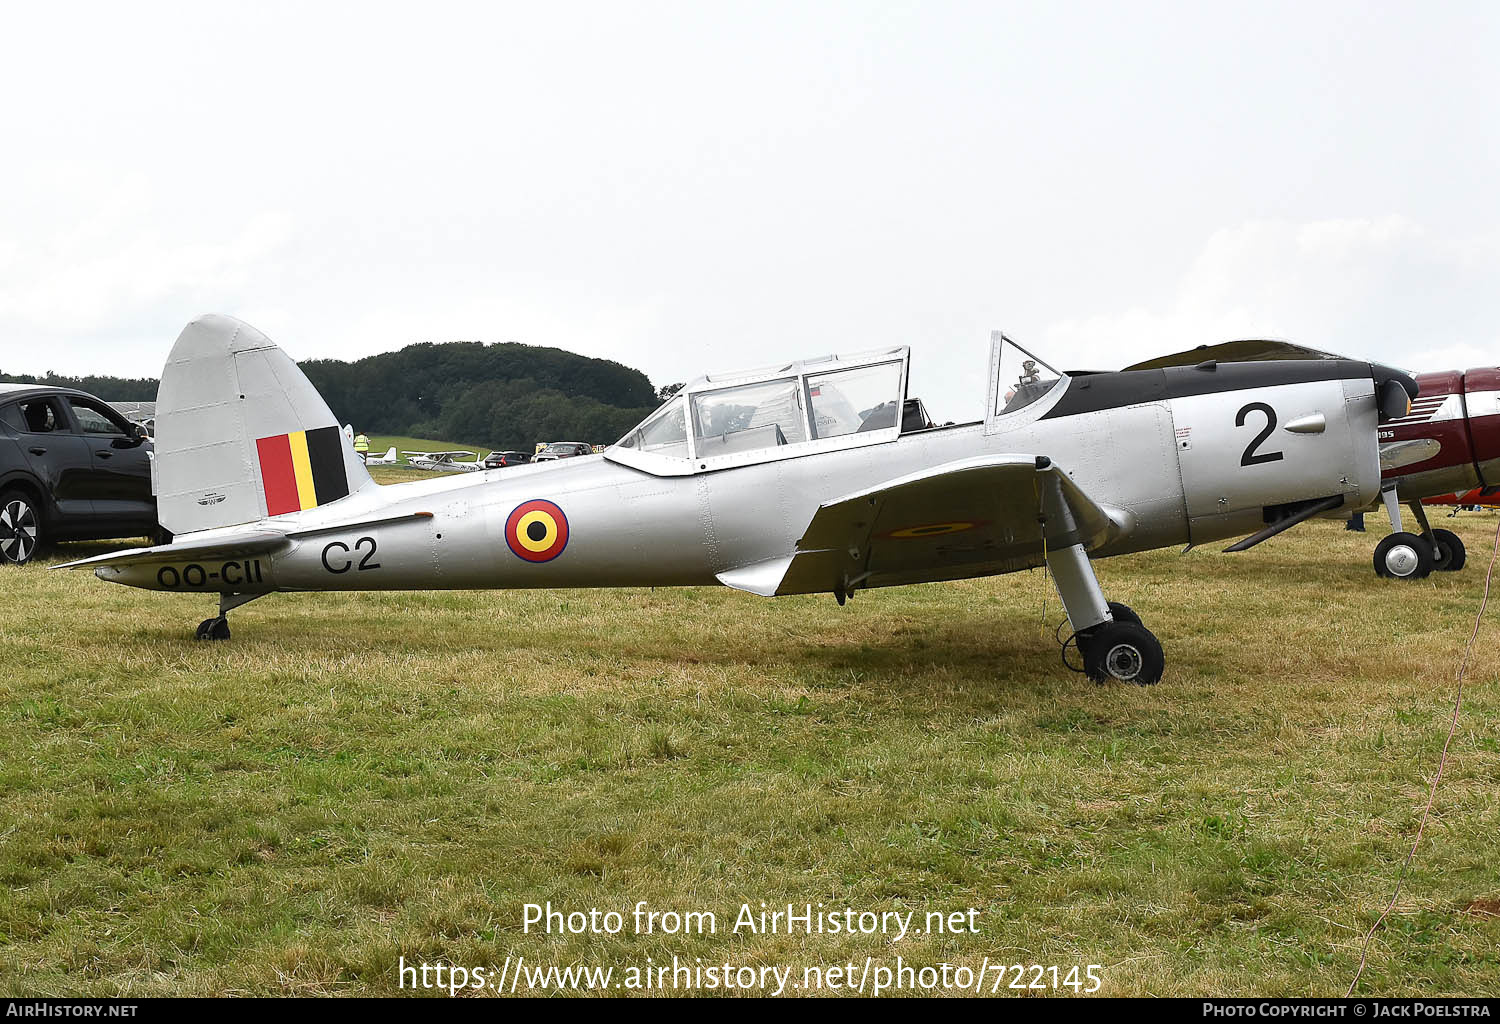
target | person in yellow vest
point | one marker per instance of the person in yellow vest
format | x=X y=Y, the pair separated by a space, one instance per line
x=361 y=446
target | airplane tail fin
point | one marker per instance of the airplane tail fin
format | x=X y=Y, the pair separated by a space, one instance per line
x=241 y=434
x=390 y=454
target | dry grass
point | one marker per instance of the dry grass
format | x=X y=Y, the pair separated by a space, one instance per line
x=356 y=778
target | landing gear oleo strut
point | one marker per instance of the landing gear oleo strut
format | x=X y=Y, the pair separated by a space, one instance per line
x=1411 y=556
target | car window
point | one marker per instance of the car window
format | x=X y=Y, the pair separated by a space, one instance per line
x=41 y=416
x=92 y=419
x=11 y=417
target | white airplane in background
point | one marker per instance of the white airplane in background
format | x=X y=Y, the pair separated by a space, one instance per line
x=390 y=458
x=443 y=462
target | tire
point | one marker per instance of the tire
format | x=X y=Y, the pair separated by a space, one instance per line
x=1448 y=553
x=1403 y=556
x=1126 y=652
x=216 y=628
x=22 y=531
x=1124 y=613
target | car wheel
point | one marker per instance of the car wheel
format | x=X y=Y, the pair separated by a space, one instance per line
x=20 y=528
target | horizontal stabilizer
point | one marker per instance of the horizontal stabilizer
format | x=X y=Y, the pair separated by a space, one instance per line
x=237 y=545
x=258 y=542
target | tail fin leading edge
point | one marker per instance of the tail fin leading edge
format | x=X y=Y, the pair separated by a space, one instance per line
x=241 y=433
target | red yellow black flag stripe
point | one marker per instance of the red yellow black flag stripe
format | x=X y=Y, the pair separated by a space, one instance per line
x=302 y=470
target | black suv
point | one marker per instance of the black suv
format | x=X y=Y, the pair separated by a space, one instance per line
x=71 y=468
x=499 y=460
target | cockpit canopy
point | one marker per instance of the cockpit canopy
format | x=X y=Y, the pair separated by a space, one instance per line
x=827 y=404
x=776 y=412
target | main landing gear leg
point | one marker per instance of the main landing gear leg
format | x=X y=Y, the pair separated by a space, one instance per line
x=1402 y=555
x=1448 y=553
x=217 y=628
x=1110 y=636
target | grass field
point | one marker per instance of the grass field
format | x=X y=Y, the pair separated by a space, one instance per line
x=356 y=779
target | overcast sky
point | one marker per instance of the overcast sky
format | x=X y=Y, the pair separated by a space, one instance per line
x=690 y=187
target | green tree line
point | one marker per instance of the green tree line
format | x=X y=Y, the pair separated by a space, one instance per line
x=111 y=389
x=507 y=395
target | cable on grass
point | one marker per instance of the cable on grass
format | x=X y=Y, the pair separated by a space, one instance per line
x=1458 y=700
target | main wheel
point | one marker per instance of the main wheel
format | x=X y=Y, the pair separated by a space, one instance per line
x=1124 y=613
x=1403 y=556
x=1124 y=651
x=20 y=528
x=1447 y=551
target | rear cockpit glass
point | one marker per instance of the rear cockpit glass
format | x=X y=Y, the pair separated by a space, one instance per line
x=772 y=413
x=763 y=415
x=663 y=432
x=856 y=400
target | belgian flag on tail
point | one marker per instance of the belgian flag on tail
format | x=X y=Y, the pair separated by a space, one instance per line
x=302 y=470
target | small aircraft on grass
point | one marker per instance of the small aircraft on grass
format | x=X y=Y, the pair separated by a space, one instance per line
x=769 y=481
x=444 y=462
x=388 y=459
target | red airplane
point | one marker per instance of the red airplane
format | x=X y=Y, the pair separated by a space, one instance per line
x=1487 y=497
x=1448 y=444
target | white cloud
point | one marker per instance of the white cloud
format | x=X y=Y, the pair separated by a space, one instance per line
x=1358 y=286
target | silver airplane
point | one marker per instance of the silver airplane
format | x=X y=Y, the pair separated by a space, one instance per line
x=820 y=476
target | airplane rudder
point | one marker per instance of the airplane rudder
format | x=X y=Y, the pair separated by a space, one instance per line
x=242 y=434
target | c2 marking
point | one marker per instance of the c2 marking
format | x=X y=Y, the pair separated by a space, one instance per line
x=1251 y=456
x=348 y=561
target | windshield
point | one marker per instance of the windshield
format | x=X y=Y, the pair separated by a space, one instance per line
x=663 y=432
x=1022 y=378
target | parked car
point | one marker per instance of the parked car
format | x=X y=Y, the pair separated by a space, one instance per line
x=496 y=460
x=71 y=468
x=563 y=450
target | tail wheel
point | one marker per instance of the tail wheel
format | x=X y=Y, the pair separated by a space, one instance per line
x=20 y=528
x=1447 y=551
x=1126 y=652
x=1403 y=556
x=216 y=628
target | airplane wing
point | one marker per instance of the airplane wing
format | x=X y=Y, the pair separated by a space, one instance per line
x=238 y=545
x=973 y=517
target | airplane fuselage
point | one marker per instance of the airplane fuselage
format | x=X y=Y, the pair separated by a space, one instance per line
x=1186 y=455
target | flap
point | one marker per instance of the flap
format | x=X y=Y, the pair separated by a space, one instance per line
x=973 y=517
